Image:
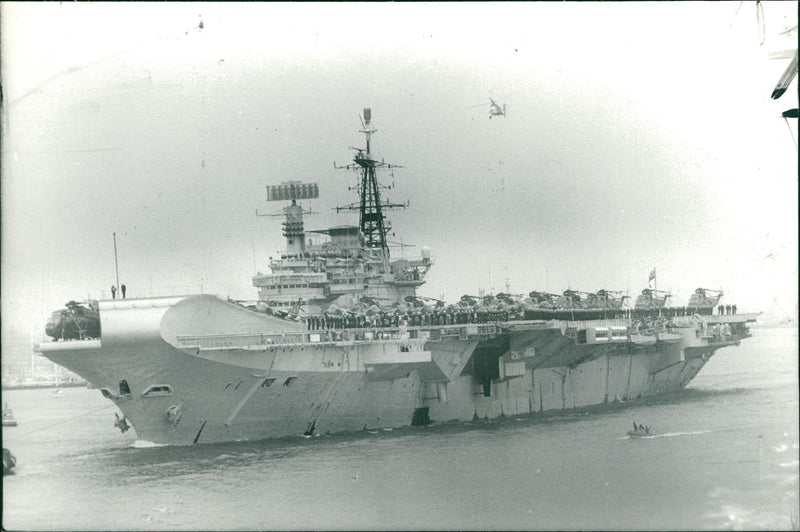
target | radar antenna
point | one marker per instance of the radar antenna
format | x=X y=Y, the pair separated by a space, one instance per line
x=293 y=228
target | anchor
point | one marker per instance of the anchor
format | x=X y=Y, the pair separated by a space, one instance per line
x=121 y=423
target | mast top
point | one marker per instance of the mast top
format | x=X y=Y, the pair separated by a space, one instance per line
x=367 y=131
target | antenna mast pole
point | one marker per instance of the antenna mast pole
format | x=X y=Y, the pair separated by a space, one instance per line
x=116 y=262
x=655 y=280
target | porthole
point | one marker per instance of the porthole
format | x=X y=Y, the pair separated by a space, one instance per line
x=158 y=390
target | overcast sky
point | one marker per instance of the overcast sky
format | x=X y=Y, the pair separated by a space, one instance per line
x=637 y=135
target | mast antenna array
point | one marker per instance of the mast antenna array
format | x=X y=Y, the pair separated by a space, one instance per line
x=372 y=224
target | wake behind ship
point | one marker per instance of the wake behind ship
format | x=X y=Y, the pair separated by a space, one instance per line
x=338 y=340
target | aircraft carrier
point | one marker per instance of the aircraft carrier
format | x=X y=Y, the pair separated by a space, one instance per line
x=339 y=340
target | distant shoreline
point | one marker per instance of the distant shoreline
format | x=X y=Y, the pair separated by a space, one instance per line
x=42 y=386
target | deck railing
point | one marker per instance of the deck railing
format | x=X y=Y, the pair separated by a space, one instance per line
x=430 y=333
x=337 y=336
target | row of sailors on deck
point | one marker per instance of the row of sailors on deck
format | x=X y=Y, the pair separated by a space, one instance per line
x=721 y=330
x=623 y=313
x=383 y=319
x=669 y=312
x=455 y=317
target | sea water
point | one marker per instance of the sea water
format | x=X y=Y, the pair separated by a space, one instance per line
x=723 y=455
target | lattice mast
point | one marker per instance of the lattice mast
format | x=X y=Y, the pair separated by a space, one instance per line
x=372 y=224
x=292 y=214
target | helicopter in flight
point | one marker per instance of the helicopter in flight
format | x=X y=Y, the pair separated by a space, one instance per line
x=494 y=108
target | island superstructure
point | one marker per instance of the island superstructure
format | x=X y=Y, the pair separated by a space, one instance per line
x=345 y=265
x=339 y=340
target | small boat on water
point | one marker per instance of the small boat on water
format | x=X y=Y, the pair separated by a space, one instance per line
x=640 y=431
x=8 y=417
x=9 y=462
x=58 y=392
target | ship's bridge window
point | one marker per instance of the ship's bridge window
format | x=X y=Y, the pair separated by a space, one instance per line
x=158 y=390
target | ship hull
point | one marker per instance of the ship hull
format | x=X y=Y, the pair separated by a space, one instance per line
x=199 y=370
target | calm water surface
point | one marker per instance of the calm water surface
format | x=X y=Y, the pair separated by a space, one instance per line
x=725 y=456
